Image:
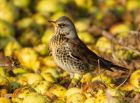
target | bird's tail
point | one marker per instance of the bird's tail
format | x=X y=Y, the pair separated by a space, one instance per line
x=119 y=67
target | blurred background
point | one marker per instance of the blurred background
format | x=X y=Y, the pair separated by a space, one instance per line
x=108 y=27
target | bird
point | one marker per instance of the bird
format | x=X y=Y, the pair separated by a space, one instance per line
x=71 y=54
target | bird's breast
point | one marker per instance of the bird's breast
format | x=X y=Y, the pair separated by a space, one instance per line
x=57 y=41
x=63 y=58
x=62 y=52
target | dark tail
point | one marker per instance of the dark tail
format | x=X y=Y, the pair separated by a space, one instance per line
x=109 y=65
x=119 y=67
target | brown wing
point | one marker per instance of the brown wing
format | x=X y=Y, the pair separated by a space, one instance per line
x=78 y=50
x=81 y=51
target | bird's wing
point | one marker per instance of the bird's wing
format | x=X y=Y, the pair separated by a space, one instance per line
x=77 y=50
x=81 y=51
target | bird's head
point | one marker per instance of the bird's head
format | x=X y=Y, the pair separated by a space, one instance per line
x=65 y=27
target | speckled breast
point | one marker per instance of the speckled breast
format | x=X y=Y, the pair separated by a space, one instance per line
x=62 y=53
x=64 y=59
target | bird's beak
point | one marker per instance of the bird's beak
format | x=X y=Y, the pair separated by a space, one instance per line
x=51 y=21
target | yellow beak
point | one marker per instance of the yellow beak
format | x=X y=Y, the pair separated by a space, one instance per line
x=51 y=21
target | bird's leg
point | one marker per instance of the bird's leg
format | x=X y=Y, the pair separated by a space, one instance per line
x=77 y=80
x=71 y=82
x=71 y=76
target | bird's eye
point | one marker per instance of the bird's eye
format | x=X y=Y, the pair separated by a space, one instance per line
x=61 y=25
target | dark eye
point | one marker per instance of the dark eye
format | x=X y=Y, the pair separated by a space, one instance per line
x=61 y=25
